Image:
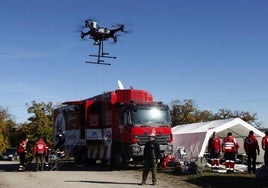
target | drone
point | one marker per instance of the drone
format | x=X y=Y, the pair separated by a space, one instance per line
x=99 y=35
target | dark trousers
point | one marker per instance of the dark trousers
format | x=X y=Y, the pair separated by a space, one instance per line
x=40 y=159
x=252 y=156
x=266 y=157
x=149 y=164
x=22 y=158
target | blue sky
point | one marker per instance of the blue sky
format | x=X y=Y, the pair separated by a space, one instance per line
x=211 y=51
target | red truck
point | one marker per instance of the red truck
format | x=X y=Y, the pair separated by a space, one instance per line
x=113 y=127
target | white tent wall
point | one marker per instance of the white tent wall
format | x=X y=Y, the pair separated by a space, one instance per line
x=194 y=137
x=192 y=146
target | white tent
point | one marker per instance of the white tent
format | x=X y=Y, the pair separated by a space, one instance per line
x=194 y=137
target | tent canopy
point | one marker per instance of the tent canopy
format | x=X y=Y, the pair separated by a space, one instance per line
x=194 y=137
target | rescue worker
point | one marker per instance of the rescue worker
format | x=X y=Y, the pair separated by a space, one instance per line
x=264 y=145
x=48 y=144
x=151 y=158
x=40 y=151
x=230 y=148
x=60 y=138
x=214 y=149
x=251 y=147
x=22 y=150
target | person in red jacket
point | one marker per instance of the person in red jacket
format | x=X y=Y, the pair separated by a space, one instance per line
x=22 y=150
x=251 y=147
x=264 y=145
x=40 y=151
x=230 y=148
x=214 y=149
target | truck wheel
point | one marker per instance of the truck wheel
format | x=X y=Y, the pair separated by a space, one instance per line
x=119 y=161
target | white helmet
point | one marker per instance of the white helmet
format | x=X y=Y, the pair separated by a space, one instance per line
x=152 y=135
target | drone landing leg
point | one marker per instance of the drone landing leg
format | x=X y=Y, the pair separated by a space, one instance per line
x=104 y=54
x=101 y=54
x=100 y=63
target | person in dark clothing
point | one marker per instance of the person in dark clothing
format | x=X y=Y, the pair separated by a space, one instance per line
x=151 y=159
x=48 y=144
x=60 y=138
x=251 y=147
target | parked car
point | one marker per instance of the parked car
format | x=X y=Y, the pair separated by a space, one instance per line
x=10 y=154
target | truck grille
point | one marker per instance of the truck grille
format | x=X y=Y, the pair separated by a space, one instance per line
x=161 y=139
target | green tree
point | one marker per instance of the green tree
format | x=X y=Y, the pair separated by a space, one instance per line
x=7 y=127
x=185 y=112
x=251 y=118
x=40 y=123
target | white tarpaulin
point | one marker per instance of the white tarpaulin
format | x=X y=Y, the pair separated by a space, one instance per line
x=194 y=137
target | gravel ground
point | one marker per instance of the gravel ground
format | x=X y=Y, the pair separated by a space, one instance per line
x=71 y=176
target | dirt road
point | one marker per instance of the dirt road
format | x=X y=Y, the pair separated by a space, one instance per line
x=71 y=176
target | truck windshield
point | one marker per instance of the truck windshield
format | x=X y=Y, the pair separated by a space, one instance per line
x=151 y=116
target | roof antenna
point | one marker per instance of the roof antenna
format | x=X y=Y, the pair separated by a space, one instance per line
x=120 y=85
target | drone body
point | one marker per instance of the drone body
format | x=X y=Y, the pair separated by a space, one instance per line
x=99 y=34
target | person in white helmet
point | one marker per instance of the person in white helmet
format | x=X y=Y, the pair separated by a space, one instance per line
x=151 y=158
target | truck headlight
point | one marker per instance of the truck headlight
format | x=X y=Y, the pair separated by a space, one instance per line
x=170 y=147
x=136 y=149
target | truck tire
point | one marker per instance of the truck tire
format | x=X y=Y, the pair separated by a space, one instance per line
x=118 y=161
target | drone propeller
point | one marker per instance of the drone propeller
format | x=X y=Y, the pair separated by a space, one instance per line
x=116 y=25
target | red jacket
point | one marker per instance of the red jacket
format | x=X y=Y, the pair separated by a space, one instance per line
x=264 y=142
x=40 y=148
x=214 y=144
x=251 y=144
x=22 y=146
x=229 y=145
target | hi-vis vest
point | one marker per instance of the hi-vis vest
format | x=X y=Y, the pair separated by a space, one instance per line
x=229 y=144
